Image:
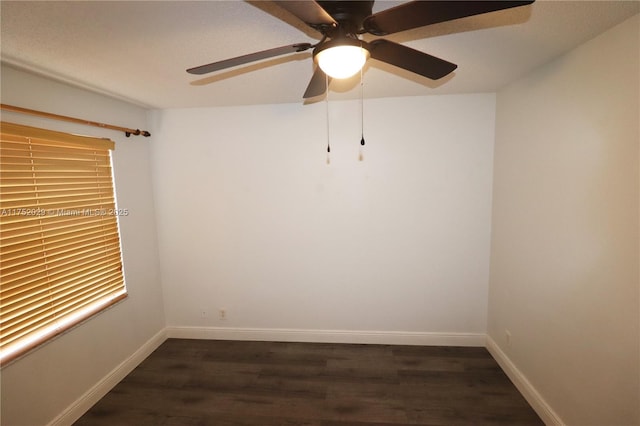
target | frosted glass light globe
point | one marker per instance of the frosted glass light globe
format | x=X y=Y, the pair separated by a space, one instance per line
x=342 y=61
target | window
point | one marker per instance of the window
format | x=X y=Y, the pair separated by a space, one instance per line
x=60 y=257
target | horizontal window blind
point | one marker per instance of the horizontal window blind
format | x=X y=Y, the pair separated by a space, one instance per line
x=60 y=255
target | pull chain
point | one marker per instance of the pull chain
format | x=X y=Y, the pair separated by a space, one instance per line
x=361 y=153
x=327 y=115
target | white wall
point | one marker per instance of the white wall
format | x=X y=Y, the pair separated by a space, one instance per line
x=564 y=257
x=251 y=218
x=42 y=384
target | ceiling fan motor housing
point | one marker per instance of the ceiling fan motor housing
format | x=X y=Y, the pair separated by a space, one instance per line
x=348 y=14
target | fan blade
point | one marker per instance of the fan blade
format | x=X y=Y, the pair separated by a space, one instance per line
x=420 y=13
x=410 y=59
x=309 y=12
x=252 y=57
x=318 y=84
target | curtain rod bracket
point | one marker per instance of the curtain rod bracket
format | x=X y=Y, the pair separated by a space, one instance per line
x=138 y=132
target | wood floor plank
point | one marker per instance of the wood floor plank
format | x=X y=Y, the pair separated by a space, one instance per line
x=240 y=383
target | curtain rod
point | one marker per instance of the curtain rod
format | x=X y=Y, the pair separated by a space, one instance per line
x=128 y=132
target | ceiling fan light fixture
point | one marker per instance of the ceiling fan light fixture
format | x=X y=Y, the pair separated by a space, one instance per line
x=341 y=58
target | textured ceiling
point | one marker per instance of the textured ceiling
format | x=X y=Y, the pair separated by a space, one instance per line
x=139 y=50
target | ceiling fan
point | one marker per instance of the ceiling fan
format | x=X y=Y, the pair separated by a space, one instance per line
x=341 y=52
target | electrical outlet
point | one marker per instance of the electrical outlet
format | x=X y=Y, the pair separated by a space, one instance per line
x=223 y=314
x=507 y=337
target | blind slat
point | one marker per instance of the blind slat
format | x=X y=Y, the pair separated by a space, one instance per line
x=28 y=219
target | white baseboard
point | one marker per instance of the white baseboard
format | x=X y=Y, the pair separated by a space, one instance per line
x=100 y=389
x=544 y=410
x=328 y=336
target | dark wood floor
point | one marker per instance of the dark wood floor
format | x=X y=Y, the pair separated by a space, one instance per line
x=212 y=382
